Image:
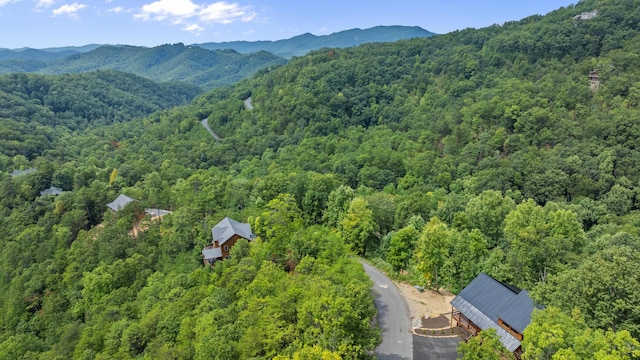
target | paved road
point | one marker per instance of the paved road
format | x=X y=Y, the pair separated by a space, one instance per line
x=205 y=123
x=425 y=348
x=394 y=319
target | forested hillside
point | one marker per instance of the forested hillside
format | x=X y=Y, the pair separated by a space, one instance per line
x=37 y=110
x=479 y=150
x=165 y=63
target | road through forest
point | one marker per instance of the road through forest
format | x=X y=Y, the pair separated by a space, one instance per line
x=394 y=319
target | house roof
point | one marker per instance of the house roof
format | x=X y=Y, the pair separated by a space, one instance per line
x=518 y=312
x=120 y=202
x=485 y=300
x=15 y=173
x=51 y=191
x=226 y=228
x=157 y=212
x=212 y=253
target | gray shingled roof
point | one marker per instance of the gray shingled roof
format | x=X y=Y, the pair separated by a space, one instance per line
x=212 y=253
x=15 y=173
x=120 y=202
x=157 y=212
x=226 y=228
x=51 y=191
x=485 y=300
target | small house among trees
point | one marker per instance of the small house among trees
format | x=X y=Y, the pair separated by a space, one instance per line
x=52 y=191
x=594 y=79
x=120 y=202
x=16 y=173
x=224 y=235
x=488 y=303
x=587 y=15
x=156 y=213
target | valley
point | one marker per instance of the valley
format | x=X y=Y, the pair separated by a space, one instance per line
x=436 y=159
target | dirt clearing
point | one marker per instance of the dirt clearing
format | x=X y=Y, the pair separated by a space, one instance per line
x=429 y=304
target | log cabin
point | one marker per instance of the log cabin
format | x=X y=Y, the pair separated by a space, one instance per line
x=489 y=303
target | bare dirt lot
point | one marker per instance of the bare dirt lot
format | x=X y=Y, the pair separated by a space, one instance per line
x=425 y=304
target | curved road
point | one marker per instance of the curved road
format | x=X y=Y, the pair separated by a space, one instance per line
x=394 y=319
x=205 y=123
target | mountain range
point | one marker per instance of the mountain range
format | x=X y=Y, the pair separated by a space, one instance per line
x=207 y=65
x=511 y=150
x=302 y=44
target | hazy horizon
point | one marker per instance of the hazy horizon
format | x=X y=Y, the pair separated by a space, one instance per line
x=42 y=24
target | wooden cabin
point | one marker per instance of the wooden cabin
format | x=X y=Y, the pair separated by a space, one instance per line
x=488 y=303
x=224 y=236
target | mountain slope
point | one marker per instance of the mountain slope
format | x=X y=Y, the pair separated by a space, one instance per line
x=34 y=54
x=39 y=108
x=302 y=44
x=175 y=62
x=480 y=150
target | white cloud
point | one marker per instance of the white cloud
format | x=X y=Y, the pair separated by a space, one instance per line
x=168 y=10
x=117 y=9
x=44 y=3
x=194 y=28
x=178 y=12
x=226 y=13
x=5 y=2
x=70 y=10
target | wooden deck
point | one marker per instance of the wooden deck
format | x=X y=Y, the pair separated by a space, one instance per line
x=466 y=325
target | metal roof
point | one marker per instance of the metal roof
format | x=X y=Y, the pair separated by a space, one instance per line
x=485 y=300
x=226 y=228
x=120 y=202
x=15 y=173
x=157 y=212
x=484 y=322
x=212 y=253
x=51 y=191
x=518 y=312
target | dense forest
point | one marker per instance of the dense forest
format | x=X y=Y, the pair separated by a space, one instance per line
x=478 y=150
x=165 y=63
x=38 y=111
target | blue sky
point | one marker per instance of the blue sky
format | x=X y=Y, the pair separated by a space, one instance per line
x=55 y=23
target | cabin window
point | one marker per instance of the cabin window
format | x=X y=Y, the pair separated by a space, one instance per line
x=511 y=330
x=226 y=248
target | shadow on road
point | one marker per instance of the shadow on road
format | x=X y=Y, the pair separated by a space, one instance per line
x=425 y=348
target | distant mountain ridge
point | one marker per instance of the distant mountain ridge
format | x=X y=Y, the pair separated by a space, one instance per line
x=166 y=63
x=176 y=62
x=207 y=65
x=302 y=44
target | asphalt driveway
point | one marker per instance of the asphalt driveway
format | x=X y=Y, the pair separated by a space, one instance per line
x=393 y=318
x=434 y=348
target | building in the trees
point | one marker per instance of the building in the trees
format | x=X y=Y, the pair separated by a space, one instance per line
x=120 y=202
x=156 y=213
x=52 y=191
x=224 y=235
x=16 y=173
x=488 y=303
x=594 y=79
x=587 y=15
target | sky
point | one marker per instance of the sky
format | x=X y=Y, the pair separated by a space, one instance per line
x=58 y=23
